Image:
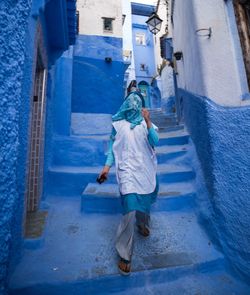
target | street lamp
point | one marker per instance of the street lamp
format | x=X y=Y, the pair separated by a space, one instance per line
x=154 y=23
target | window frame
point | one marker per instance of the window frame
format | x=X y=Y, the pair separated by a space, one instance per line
x=111 y=19
x=143 y=35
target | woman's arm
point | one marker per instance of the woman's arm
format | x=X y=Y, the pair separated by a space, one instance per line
x=153 y=137
x=110 y=157
x=110 y=154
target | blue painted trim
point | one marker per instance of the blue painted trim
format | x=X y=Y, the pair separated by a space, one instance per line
x=142 y=9
x=139 y=26
x=220 y=135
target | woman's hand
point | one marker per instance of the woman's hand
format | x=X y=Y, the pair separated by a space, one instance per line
x=103 y=175
x=146 y=116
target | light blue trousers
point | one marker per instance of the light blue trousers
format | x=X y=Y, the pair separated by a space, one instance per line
x=125 y=232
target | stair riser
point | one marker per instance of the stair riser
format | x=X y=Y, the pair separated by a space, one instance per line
x=117 y=283
x=72 y=184
x=97 y=204
x=164 y=158
x=179 y=140
x=170 y=128
x=79 y=159
x=79 y=152
x=176 y=177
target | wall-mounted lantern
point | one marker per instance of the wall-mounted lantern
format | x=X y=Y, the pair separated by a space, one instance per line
x=154 y=23
x=178 y=55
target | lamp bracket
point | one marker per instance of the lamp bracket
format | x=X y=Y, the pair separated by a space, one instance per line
x=205 y=32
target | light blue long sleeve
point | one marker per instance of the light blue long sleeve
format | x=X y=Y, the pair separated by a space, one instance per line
x=110 y=156
x=152 y=138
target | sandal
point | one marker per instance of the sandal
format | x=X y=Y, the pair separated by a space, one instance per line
x=124 y=267
x=143 y=230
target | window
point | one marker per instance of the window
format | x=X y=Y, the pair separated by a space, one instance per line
x=140 y=39
x=107 y=24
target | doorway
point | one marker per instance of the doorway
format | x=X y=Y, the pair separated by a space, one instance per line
x=36 y=150
x=144 y=88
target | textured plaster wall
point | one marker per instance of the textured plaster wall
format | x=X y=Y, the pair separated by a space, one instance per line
x=162 y=13
x=97 y=84
x=62 y=93
x=222 y=139
x=209 y=66
x=91 y=13
x=127 y=37
x=167 y=89
x=13 y=25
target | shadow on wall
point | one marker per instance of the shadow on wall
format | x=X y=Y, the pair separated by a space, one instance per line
x=96 y=89
x=155 y=95
x=222 y=139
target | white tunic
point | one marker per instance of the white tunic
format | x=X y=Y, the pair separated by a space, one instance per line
x=135 y=159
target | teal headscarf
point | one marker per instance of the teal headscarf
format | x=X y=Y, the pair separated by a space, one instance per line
x=130 y=110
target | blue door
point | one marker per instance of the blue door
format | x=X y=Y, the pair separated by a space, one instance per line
x=144 y=88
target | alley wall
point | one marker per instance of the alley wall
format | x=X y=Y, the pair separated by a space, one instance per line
x=212 y=89
x=209 y=65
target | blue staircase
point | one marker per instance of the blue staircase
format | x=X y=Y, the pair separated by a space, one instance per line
x=76 y=254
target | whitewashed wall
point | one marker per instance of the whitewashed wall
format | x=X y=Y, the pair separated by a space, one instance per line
x=162 y=13
x=209 y=66
x=127 y=37
x=91 y=13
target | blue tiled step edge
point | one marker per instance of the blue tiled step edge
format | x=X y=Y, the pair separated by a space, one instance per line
x=142 y=279
x=169 y=152
x=65 y=180
x=178 y=137
x=105 y=198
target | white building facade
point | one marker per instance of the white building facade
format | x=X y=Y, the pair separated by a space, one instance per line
x=211 y=41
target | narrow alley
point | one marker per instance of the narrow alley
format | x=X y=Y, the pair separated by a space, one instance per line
x=76 y=254
x=66 y=67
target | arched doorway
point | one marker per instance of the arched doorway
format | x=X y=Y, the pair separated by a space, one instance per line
x=144 y=88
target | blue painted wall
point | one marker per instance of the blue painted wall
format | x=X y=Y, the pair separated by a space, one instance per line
x=222 y=139
x=18 y=27
x=143 y=54
x=13 y=25
x=155 y=95
x=97 y=85
x=62 y=93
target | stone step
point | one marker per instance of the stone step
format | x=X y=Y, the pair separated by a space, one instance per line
x=72 y=151
x=189 y=279
x=79 y=151
x=78 y=254
x=216 y=280
x=165 y=153
x=173 y=137
x=105 y=198
x=89 y=123
x=68 y=180
x=175 y=127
